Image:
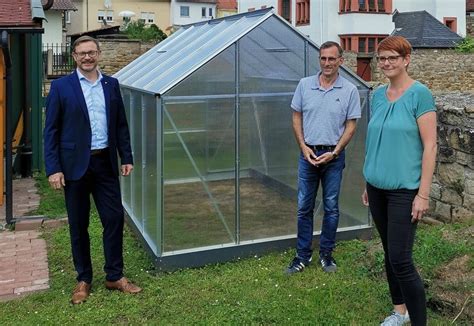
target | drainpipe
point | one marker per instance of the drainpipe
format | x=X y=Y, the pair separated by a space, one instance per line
x=48 y=4
x=8 y=130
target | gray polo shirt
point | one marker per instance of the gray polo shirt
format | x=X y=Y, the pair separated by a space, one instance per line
x=325 y=111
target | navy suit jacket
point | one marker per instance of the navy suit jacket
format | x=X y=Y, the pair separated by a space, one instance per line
x=67 y=131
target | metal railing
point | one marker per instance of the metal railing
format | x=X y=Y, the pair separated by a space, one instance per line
x=57 y=60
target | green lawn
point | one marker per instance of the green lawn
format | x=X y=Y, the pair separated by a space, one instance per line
x=249 y=291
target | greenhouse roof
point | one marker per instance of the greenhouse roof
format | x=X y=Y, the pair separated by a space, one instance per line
x=191 y=47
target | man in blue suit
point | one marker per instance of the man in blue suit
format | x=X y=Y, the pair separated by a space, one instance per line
x=84 y=130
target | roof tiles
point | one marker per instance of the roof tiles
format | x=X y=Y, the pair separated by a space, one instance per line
x=16 y=13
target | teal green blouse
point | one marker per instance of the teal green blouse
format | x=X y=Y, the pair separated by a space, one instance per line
x=394 y=148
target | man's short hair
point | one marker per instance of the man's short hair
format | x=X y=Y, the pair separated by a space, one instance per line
x=330 y=44
x=84 y=39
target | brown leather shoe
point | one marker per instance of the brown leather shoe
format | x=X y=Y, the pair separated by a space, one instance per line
x=81 y=292
x=123 y=285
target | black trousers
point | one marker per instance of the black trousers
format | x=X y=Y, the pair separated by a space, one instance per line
x=391 y=212
x=103 y=184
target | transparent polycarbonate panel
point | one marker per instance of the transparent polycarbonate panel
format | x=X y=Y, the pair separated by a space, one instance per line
x=151 y=170
x=271 y=57
x=353 y=182
x=199 y=173
x=268 y=168
x=126 y=182
x=313 y=60
x=184 y=52
x=136 y=140
x=214 y=78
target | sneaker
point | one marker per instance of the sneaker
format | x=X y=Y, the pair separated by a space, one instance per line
x=297 y=265
x=328 y=263
x=396 y=319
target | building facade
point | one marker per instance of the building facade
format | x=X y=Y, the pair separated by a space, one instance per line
x=357 y=24
x=94 y=14
x=185 y=12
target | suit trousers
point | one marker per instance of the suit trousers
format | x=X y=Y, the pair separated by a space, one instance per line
x=102 y=183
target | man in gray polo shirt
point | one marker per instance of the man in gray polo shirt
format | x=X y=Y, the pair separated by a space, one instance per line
x=325 y=111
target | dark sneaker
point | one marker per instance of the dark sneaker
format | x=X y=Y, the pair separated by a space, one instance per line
x=328 y=263
x=297 y=265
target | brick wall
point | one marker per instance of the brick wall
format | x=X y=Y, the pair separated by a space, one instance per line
x=440 y=70
x=117 y=53
x=452 y=191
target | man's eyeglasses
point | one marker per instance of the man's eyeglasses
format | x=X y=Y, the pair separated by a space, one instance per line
x=330 y=59
x=391 y=59
x=91 y=54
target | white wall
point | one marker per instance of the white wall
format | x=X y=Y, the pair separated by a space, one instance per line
x=195 y=12
x=244 y=5
x=438 y=9
x=53 y=27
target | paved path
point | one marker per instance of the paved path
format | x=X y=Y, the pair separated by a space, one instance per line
x=23 y=255
x=25 y=198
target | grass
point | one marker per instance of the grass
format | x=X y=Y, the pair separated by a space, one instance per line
x=249 y=291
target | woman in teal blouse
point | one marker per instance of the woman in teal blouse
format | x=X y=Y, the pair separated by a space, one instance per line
x=399 y=165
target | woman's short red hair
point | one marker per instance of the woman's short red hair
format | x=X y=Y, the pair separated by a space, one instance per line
x=398 y=44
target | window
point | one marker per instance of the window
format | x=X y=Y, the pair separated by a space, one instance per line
x=368 y=6
x=362 y=43
x=100 y=15
x=302 y=12
x=184 y=11
x=284 y=9
x=381 y=5
x=203 y=12
x=210 y=12
x=451 y=23
x=67 y=17
x=147 y=17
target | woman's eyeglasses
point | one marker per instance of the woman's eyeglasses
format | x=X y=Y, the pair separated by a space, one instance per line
x=391 y=59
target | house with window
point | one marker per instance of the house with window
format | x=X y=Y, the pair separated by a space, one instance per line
x=57 y=21
x=93 y=15
x=185 y=12
x=359 y=25
x=226 y=8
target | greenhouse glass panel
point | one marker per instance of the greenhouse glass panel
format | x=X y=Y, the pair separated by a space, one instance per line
x=125 y=183
x=199 y=171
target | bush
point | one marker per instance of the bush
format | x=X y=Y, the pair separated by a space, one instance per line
x=466 y=46
x=138 y=30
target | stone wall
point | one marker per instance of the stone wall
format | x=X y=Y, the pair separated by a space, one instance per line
x=440 y=70
x=350 y=60
x=117 y=53
x=452 y=191
x=470 y=25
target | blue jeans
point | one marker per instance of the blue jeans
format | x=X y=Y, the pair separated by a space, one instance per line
x=309 y=176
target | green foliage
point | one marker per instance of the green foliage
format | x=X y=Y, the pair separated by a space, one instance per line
x=138 y=30
x=466 y=46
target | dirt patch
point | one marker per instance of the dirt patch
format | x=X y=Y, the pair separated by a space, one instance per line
x=453 y=290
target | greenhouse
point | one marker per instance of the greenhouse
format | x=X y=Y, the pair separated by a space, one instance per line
x=215 y=169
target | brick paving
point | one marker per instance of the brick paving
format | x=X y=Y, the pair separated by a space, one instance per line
x=23 y=255
x=25 y=198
